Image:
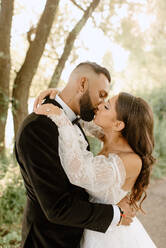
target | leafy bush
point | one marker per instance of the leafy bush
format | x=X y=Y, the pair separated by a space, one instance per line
x=12 y=201
x=11 y=204
x=95 y=145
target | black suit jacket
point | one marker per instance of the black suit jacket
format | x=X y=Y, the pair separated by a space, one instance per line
x=56 y=211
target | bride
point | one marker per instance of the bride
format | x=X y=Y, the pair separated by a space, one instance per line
x=122 y=167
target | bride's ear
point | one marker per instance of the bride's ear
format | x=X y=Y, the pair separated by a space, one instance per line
x=119 y=125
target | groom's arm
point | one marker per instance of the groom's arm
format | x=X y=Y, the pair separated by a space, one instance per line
x=39 y=144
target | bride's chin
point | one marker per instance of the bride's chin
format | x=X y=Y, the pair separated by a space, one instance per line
x=97 y=123
x=95 y=120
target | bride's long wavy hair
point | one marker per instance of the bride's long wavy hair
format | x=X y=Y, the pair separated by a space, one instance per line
x=138 y=131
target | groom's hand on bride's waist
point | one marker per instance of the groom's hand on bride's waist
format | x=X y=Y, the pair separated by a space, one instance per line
x=127 y=212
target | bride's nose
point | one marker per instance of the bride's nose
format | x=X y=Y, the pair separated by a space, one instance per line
x=100 y=106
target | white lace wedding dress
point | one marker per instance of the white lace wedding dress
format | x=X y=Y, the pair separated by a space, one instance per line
x=103 y=178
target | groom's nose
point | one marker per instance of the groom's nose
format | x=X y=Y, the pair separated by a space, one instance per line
x=101 y=101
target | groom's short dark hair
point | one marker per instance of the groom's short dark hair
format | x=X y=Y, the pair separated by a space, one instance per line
x=96 y=68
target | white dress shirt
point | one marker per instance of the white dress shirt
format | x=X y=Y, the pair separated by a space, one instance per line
x=70 y=114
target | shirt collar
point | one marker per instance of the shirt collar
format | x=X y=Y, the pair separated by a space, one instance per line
x=70 y=114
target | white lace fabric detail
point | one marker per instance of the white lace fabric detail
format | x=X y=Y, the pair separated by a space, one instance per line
x=98 y=175
x=60 y=120
x=91 y=129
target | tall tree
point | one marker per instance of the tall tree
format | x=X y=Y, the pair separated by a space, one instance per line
x=27 y=71
x=70 y=42
x=6 y=13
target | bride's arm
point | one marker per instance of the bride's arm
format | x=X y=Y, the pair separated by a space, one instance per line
x=80 y=165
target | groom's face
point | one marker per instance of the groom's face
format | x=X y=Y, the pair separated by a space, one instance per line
x=96 y=93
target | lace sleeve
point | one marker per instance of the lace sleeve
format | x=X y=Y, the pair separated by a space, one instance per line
x=91 y=129
x=82 y=168
x=60 y=120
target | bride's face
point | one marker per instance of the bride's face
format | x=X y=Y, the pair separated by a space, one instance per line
x=106 y=116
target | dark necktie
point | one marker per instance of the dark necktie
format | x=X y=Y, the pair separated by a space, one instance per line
x=76 y=120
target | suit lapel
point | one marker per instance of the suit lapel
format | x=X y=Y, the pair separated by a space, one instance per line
x=88 y=148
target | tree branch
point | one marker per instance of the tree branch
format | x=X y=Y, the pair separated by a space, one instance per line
x=31 y=31
x=78 y=6
x=70 y=42
x=29 y=67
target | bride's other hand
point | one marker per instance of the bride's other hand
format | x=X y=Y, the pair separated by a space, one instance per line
x=52 y=92
x=48 y=109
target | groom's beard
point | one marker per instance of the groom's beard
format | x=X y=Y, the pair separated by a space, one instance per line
x=86 y=107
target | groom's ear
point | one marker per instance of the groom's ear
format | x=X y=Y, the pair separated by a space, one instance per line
x=83 y=84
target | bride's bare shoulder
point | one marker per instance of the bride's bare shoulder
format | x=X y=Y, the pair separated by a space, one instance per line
x=132 y=163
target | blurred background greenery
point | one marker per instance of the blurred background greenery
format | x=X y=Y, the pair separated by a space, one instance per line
x=40 y=44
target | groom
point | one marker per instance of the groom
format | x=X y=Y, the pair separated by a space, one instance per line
x=56 y=211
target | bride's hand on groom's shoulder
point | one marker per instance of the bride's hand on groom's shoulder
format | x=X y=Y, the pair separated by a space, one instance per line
x=48 y=109
x=52 y=92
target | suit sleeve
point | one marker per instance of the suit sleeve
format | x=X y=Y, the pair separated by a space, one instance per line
x=39 y=145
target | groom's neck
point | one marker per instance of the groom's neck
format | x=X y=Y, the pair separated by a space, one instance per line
x=70 y=99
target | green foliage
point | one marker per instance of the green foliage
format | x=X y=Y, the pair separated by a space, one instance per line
x=95 y=145
x=10 y=239
x=12 y=200
x=3 y=166
x=11 y=203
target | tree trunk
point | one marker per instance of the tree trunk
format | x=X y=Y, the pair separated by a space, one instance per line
x=25 y=75
x=6 y=13
x=70 y=42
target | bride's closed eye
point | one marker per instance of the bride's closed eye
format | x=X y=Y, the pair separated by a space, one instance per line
x=105 y=106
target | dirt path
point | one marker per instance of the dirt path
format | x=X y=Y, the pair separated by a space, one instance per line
x=155 y=219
